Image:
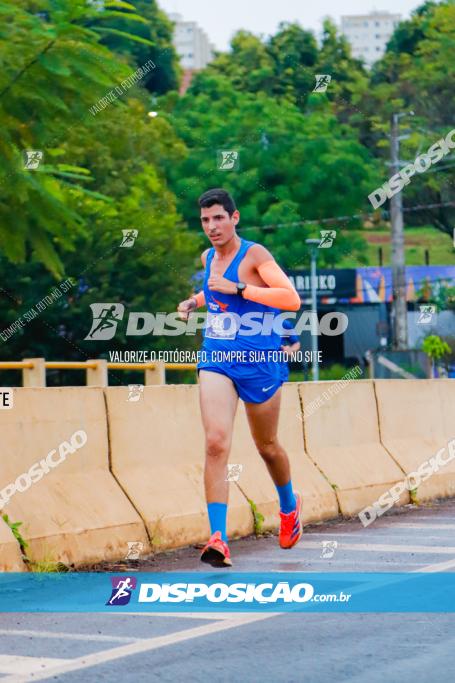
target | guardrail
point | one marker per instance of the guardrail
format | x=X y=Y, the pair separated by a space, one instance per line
x=34 y=370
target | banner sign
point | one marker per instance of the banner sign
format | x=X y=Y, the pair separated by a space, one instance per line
x=371 y=284
x=330 y=282
x=225 y=591
x=374 y=284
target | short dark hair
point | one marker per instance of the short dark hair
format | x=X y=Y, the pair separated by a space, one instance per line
x=217 y=196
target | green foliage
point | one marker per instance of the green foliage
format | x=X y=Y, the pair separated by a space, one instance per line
x=439 y=293
x=413 y=496
x=258 y=518
x=417 y=242
x=48 y=565
x=349 y=78
x=14 y=526
x=284 y=66
x=53 y=70
x=45 y=565
x=334 y=372
x=101 y=173
x=417 y=73
x=153 y=41
x=293 y=166
x=435 y=347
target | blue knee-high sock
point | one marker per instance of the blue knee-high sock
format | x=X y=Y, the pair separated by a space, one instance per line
x=217 y=518
x=287 y=499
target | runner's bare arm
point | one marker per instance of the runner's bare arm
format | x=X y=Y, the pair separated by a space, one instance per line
x=279 y=292
x=200 y=297
x=204 y=257
x=291 y=348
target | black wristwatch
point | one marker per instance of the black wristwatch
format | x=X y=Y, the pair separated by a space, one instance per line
x=240 y=288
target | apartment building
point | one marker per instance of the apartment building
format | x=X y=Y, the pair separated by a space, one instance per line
x=369 y=34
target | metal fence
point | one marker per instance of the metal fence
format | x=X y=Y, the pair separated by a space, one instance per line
x=34 y=370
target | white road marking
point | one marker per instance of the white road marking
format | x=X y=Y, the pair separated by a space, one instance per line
x=438 y=567
x=183 y=615
x=15 y=664
x=145 y=645
x=372 y=530
x=334 y=534
x=27 y=669
x=425 y=518
x=385 y=548
x=334 y=562
x=61 y=635
x=416 y=525
x=394 y=536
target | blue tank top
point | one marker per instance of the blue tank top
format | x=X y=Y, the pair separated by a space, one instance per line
x=227 y=327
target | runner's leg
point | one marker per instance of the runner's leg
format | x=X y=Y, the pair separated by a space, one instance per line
x=263 y=421
x=218 y=401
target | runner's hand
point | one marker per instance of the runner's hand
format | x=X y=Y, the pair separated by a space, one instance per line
x=185 y=307
x=218 y=283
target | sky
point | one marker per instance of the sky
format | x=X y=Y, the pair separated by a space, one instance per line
x=222 y=18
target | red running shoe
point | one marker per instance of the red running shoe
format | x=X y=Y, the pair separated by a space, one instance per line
x=291 y=526
x=216 y=552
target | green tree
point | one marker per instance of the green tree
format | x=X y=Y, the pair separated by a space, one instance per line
x=248 y=65
x=417 y=73
x=349 y=78
x=152 y=41
x=154 y=275
x=103 y=172
x=293 y=167
x=285 y=66
x=435 y=347
x=282 y=66
x=53 y=70
x=295 y=54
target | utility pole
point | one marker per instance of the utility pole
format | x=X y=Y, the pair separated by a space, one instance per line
x=313 y=244
x=399 y=305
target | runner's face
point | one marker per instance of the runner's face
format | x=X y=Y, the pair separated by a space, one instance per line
x=218 y=225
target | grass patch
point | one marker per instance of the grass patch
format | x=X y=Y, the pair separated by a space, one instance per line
x=42 y=566
x=258 y=518
x=413 y=496
x=14 y=526
x=417 y=240
x=47 y=566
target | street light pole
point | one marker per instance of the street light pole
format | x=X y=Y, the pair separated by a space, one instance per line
x=399 y=305
x=313 y=244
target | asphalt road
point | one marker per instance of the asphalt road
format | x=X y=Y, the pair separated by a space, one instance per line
x=310 y=648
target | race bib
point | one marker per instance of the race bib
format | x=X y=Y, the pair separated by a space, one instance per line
x=222 y=325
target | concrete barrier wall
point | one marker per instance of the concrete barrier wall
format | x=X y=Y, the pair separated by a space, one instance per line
x=318 y=498
x=81 y=512
x=157 y=454
x=10 y=554
x=416 y=420
x=342 y=439
x=76 y=513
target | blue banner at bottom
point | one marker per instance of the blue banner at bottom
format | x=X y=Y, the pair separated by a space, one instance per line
x=228 y=592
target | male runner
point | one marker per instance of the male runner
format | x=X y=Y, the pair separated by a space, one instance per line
x=240 y=277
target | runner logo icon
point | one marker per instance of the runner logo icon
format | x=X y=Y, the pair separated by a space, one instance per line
x=105 y=320
x=122 y=587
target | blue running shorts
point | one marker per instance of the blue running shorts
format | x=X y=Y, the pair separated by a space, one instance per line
x=254 y=382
